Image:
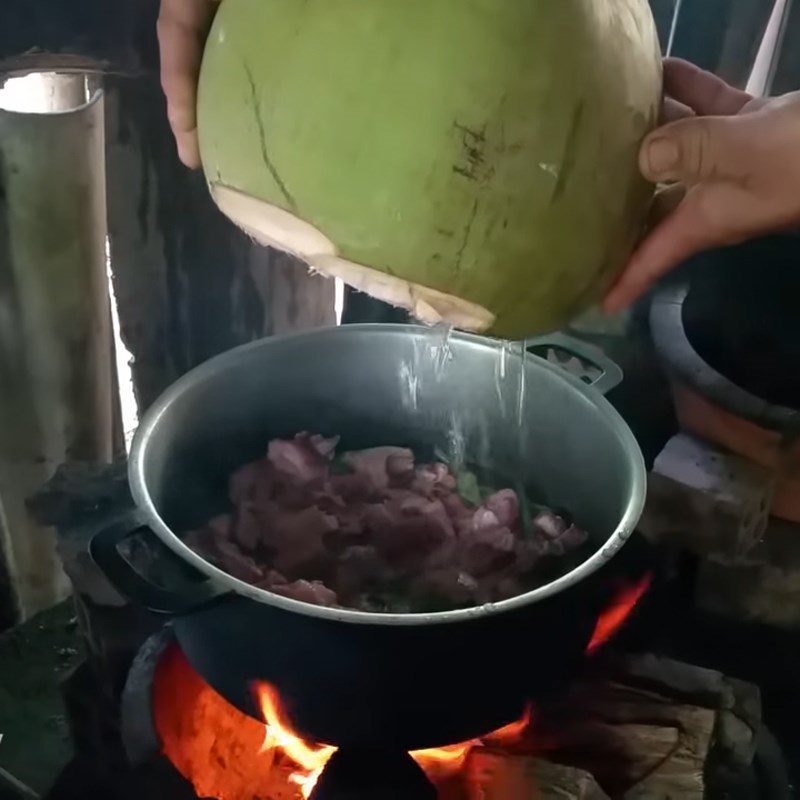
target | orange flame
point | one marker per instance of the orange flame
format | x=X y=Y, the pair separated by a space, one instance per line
x=614 y=617
x=279 y=736
x=196 y=725
x=438 y=763
x=512 y=733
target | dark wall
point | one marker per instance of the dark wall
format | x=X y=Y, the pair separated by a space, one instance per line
x=121 y=32
x=664 y=12
x=189 y=284
x=787 y=74
x=722 y=35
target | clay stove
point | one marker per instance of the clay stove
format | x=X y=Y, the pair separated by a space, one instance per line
x=168 y=708
x=628 y=726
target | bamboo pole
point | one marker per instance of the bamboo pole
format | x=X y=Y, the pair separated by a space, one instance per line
x=56 y=396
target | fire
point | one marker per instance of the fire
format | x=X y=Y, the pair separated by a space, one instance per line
x=614 y=617
x=227 y=754
x=278 y=735
x=438 y=763
x=443 y=762
x=512 y=733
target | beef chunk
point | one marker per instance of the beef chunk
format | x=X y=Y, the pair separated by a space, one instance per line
x=376 y=531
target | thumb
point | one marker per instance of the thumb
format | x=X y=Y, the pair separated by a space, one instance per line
x=694 y=150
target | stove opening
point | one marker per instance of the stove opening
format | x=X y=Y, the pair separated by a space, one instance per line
x=228 y=755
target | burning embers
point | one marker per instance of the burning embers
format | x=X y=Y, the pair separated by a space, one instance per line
x=439 y=764
x=227 y=755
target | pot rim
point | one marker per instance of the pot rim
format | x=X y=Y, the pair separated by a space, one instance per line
x=679 y=355
x=147 y=430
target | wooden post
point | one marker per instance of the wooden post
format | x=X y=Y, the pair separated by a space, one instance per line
x=56 y=398
x=189 y=284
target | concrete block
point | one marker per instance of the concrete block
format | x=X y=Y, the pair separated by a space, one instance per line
x=706 y=500
x=763 y=588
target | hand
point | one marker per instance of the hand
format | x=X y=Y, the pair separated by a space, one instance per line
x=182 y=29
x=734 y=165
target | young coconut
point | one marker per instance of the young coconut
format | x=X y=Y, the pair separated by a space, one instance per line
x=474 y=162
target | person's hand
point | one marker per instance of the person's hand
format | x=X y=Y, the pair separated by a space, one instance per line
x=734 y=165
x=182 y=29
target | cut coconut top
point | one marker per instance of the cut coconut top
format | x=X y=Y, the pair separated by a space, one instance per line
x=274 y=227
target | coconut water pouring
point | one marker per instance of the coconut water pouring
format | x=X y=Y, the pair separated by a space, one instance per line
x=399 y=146
x=474 y=163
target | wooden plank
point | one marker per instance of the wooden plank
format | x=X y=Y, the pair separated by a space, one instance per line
x=492 y=775
x=189 y=284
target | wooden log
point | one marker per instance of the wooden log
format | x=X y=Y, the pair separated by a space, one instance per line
x=633 y=758
x=646 y=728
x=55 y=372
x=494 y=775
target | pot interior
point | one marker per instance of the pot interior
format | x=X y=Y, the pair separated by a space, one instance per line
x=379 y=385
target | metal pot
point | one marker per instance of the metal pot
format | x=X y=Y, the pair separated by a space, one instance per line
x=383 y=680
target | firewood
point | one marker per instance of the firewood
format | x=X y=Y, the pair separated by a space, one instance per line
x=494 y=775
x=634 y=741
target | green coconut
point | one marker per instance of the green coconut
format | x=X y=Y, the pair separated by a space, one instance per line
x=474 y=161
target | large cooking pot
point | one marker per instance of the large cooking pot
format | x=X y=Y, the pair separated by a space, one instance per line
x=382 y=680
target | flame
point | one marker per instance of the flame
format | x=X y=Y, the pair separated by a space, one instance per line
x=279 y=736
x=227 y=754
x=438 y=763
x=512 y=733
x=614 y=617
x=198 y=727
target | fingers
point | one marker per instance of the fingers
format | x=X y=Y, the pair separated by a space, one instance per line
x=182 y=27
x=682 y=234
x=693 y=150
x=672 y=111
x=702 y=91
x=708 y=154
x=666 y=200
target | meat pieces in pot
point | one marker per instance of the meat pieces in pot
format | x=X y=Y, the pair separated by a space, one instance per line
x=375 y=530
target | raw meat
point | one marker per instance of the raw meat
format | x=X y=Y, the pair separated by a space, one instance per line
x=375 y=531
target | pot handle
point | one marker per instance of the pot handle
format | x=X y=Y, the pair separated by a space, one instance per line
x=104 y=552
x=610 y=373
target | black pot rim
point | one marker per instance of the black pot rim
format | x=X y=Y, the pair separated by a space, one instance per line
x=680 y=357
